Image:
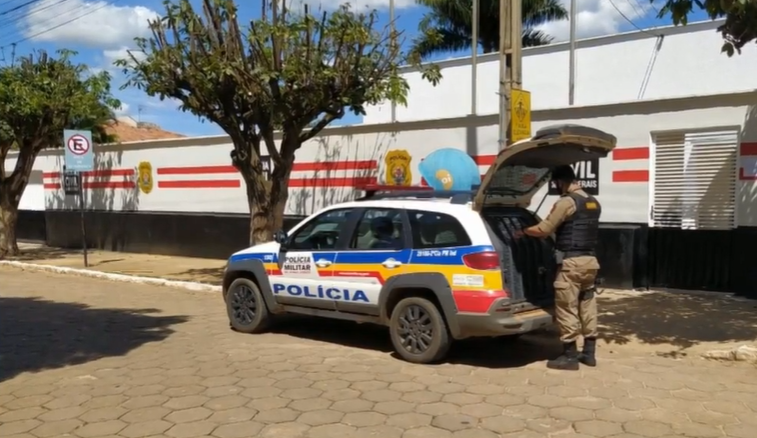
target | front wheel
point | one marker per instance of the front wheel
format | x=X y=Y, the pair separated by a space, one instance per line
x=246 y=308
x=419 y=332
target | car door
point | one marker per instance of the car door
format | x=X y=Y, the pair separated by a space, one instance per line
x=378 y=249
x=305 y=261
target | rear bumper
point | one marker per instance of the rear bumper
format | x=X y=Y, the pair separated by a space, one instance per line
x=501 y=322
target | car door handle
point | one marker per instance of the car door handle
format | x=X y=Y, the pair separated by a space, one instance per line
x=391 y=263
x=322 y=263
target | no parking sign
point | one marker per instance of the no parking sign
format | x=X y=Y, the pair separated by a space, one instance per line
x=78 y=151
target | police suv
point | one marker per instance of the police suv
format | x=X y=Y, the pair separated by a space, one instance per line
x=432 y=266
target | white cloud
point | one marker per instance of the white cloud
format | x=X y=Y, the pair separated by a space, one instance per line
x=598 y=17
x=80 y=22
x=124 y=110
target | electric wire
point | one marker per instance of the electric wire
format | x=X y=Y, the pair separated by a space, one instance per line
x=625 y=17
x=89 y=10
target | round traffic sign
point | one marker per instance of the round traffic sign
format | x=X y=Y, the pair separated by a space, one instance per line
x=78 y=144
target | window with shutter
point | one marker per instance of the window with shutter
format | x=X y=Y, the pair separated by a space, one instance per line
x=694 y=180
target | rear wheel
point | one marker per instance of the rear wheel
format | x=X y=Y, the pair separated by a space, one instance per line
x=419 y=332
x=246 y=308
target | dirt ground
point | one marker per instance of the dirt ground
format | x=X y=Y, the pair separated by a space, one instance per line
x=658 y=323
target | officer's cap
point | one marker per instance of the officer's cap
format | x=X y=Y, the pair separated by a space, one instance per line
x=563 y=173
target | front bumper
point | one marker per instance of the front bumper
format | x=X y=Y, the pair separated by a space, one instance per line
x=503 y=319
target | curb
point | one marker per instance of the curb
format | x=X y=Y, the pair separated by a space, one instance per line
x=187 y=285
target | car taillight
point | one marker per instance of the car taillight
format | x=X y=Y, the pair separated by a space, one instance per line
x=482 y=260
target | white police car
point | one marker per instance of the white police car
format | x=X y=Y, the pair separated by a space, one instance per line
x=433 y=266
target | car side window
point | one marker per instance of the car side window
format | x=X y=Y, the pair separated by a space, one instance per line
x=436 y=230
x=321 y=233
x=378 y=229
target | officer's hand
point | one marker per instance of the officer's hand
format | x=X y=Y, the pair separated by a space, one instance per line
x=518 y=234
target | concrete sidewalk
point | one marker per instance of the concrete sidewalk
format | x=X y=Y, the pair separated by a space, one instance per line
x=144 y=265
x=655 y=323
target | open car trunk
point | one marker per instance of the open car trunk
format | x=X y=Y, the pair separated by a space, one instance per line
x=528 y=264
x=520 y=170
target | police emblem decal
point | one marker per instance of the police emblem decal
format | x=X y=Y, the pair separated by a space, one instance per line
x=144 y=179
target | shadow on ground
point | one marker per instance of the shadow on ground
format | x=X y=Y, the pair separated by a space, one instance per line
x=212 y=276
x=41 y=253
x=668 y=322
x=679 y=320
x=505 y=352
x=37 y=334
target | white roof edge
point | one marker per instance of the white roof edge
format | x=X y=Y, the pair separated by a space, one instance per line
x=652 y=32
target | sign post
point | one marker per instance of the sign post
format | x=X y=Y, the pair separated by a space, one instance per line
x=78 y=158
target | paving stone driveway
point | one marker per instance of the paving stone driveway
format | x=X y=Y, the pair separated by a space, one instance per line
x=90 y=358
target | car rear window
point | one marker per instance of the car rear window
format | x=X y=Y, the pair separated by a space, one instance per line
x=436 y=230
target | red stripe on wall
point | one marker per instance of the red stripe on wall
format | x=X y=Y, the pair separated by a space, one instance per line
x=195 y=170
x=639 y=153
x=109 y=184
x=201 y=184
x=350 y=181
x=95 y=173
x=298 y=167
x=748 y=149
x=94 y=185
x=485 y=160
x=744 y=177
x=621 y=176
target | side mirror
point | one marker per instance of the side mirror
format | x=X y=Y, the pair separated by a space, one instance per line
x=280 y=237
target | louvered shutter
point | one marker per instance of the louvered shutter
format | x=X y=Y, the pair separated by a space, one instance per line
x=695 y=180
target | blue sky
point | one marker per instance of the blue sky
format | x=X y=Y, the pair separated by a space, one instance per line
x=101 y=31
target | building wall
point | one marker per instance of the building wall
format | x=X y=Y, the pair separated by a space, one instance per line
x=194 y=175
x=684 y=61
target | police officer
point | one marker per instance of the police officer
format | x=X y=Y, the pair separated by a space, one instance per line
x=575 y=220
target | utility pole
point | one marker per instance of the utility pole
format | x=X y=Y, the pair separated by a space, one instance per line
x=392 y=42
x=572 y=62
x=510 y=70
x=474 y=60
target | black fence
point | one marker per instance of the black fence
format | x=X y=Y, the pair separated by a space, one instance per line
x=632 y=256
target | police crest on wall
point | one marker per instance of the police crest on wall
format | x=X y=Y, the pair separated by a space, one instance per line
x=144 y=178
x=397 y=164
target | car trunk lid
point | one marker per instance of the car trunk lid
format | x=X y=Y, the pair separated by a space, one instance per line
x=522 y=168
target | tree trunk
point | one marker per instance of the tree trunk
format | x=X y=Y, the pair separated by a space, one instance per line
x=267 y=201
x=8 y=219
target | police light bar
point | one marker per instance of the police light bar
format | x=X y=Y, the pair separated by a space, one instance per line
x=372 y=190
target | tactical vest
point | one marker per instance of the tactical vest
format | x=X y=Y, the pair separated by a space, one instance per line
x=577 y=235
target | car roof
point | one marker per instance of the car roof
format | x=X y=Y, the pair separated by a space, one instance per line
x=439 y=205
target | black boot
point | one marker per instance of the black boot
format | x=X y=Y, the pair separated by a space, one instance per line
x=588 y=356
x=568 y=360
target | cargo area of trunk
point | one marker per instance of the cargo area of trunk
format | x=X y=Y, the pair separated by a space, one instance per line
x=528 y=263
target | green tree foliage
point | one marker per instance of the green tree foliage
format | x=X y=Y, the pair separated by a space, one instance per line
x=288 y=71
x=739 y=28
x=40 y=96
x=448 y=26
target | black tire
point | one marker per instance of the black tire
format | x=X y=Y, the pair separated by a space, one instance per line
x=406 y=345
x=246 y=307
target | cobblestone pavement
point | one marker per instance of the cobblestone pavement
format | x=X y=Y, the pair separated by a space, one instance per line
x=90 y=358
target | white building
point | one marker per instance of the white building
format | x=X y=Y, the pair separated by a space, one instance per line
x=683 y=114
